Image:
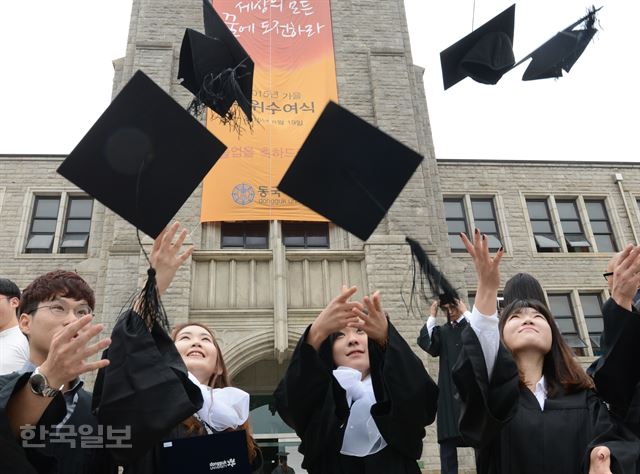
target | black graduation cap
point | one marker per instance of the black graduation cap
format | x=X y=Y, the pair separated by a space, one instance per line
x=562 y=51
x=216 y=69
x=484 y=54
x=438 y=283
x=349 y=171
x=143 y=157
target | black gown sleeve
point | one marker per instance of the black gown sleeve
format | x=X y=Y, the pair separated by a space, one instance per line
x=613 y=433
x=13 y=457
x=144 y=387
x=315 y=407
x=617 y=373
x=430 y=344
x=407 y=397
x=486 y=405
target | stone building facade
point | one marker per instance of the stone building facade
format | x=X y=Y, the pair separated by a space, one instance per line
x=260 y=300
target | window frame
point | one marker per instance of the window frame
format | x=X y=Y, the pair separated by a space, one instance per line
x=568 y=237
x=579 y=351
x=64 y=198
x=538 y=236
x=244 y=235
x=306 y=226
x=469 y=219
x=608 y=220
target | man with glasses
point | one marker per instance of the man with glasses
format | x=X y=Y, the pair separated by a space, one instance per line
x=43 y=408
x=14 y=348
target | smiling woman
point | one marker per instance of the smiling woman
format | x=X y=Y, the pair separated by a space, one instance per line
x=355 y=392
x=527 y=405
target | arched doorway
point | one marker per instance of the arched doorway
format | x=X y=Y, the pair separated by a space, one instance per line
x=273 y=435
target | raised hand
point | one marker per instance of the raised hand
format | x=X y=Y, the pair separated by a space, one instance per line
x=600 y=460
x=433 y=310
x=487 y=271
x=165 y=257
x=339 y=313
x=374 y=322
x=626 y=276
x=69 y=350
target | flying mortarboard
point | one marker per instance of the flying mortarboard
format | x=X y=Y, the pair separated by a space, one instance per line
x=562 y=51
x=349 y=171
x=216 y=69
x=484 y=55
x=143 y=157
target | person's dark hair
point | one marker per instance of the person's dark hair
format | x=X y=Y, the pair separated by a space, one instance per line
x=58 y=283
x=561 y=371
x=9 y=289
x=219 y=379
x=523 y=286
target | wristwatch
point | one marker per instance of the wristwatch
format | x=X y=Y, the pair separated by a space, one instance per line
x=40 y=385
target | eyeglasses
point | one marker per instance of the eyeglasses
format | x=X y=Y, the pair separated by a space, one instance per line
x=606 y=275
x=58 y=309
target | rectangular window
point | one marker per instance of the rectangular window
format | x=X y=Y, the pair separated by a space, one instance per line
x=484 y=217
x=43 y=224
x=245 y=235
x=562 y=310
x=543 y=232
x=456 y=223
x=305 y=235
x=572 y=227
x=599 y=220
x=592 y=309
x=75 y=237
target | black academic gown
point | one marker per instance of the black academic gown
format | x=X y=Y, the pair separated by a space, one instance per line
x=445 y=342
x=312 y=402
x=145 y=386
x=617 y=372
x=54 y=457
x=512 y=435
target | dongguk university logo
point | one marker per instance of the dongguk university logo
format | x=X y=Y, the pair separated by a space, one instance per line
x=243 y=194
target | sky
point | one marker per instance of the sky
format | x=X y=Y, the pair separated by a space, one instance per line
x=57 y=75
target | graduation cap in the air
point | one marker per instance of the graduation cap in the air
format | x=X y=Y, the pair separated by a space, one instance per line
x=484 y=55
x=349 y=171
x=143 y=157
x=424 y=269
x=562 y=51
x=216 y=69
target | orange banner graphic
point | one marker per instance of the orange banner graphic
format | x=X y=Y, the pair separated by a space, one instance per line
x=291 y=44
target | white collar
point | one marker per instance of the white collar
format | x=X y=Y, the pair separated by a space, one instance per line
x=361 y=435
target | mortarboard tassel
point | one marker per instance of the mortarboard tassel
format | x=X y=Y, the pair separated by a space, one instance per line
x=438 y=283
x=148 y=304
x=215 y=91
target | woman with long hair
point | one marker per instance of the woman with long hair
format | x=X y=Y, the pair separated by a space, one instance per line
x=225 y=408
x=528 y=406
x=355 y=392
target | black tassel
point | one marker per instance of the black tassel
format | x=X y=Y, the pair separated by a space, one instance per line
x=215 y=91
x=438 y=283
x=149 y=305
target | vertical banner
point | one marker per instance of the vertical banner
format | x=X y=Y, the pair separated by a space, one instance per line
x=291 y=44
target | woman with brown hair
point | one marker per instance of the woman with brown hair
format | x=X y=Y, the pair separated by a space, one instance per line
x=225 y=408
x=527 y=405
